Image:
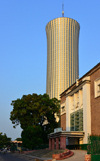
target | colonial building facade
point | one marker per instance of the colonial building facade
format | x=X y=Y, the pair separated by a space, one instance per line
x=80 y=106
x=80 y=111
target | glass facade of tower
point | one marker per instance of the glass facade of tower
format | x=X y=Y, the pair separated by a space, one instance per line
x=62 y=55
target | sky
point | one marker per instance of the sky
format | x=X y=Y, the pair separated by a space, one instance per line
x=23 y=47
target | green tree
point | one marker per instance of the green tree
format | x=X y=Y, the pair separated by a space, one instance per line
x=35 y=111
x=18 y=139
x=32 y=137
x=4 y=140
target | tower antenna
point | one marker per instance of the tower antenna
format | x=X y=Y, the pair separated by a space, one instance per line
x=62 y=10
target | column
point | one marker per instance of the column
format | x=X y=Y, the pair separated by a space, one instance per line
x=57 y=143
x=50 y=143
x=86 y=112
x=68 y=110
x=53 y=143
x=62 y=142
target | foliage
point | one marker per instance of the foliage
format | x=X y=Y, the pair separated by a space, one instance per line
x=77 y=146
x=13 y=147
x=95 y=157
x=18 y=139
x=94 y=145
x=34 y=110
x=4 y=140
x=32 y=136
x=36 y=116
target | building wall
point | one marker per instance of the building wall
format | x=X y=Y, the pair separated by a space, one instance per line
x=63 y=99
x=78 y=109
x=72 y=141
x=63 y=113
x=95 y=104
x=84 y=95
x=62 y=55
x=73 y=106
x=86 y=112
x=63 y=122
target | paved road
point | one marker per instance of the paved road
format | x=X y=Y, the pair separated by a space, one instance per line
x=79 y=155
x=13 y=157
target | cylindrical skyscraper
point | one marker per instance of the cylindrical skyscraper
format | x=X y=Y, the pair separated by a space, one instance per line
x=62 y=55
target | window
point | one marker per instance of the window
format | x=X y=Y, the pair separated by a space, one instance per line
x=63 y=108
x=76 y=120
x=97 y=87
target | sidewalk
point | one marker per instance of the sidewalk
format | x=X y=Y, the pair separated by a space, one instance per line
x=79 y=155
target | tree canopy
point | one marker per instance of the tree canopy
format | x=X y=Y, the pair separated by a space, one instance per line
x=36 y=116
x=34 y=110
x=4 y=140
x=32 y=137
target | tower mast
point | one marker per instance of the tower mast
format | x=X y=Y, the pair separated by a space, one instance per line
x=62 y=10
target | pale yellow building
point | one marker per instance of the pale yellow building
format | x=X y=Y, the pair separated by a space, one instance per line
x=62 y=55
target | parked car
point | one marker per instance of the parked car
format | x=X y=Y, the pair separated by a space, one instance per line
x=4 y=150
